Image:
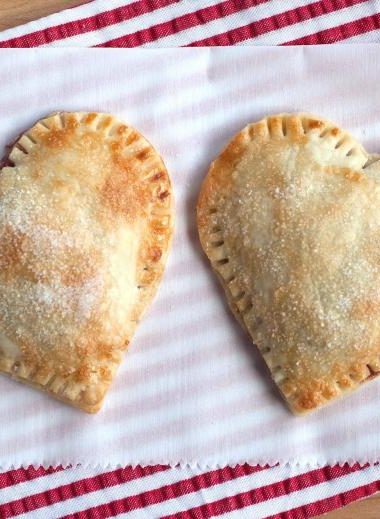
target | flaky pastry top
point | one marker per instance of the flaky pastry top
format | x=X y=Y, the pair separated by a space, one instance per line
x=289 y=215
x=85 y=224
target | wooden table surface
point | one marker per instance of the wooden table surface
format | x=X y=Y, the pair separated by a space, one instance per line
x=17 y=12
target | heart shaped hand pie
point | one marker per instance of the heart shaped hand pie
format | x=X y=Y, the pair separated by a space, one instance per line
x=289 y=216
x=85 y=226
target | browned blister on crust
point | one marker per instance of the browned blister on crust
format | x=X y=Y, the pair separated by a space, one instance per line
x=288 y=218
x=86 y=219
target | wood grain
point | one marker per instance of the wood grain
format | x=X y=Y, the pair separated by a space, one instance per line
x=17 y=12
x=367 y=509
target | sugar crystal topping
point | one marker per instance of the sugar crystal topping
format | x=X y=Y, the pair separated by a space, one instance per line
x=304 y=240
x=50 y=281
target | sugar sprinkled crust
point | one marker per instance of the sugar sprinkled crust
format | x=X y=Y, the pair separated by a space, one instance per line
x=86 y=217
x=289 y=218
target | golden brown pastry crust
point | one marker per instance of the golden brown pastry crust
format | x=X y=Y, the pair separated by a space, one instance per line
x=86 y=218
x=289 y=218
